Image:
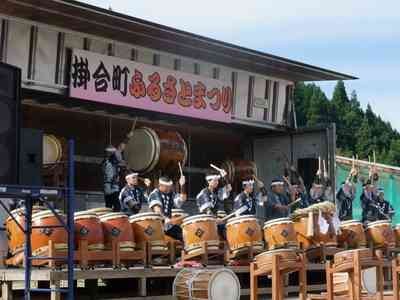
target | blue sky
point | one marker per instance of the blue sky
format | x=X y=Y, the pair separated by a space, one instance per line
x=358 y=37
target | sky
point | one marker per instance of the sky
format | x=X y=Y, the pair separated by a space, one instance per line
x=357 y=37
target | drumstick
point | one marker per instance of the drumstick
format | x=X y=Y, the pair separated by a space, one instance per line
x=294 y=202
x=216 y=168
x=180 y=168
x=228 y=217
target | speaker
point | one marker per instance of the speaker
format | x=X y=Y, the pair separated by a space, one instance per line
x=10 y=102
x=31 y=157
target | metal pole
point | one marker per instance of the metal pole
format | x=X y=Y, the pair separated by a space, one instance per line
x=70 y=216
x=28 y=249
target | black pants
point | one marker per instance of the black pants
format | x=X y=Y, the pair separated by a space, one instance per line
x=222 y=231
x=112 y=201
x=174 y=231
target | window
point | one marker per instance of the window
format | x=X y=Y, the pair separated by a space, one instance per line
x=177 y=64
x=134 y=54
x=216 y=73
x=275 y=98
x=197 y=68
x=267 y=97
x=250 y=98
x=156 y=59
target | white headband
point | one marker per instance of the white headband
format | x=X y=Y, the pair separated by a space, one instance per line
x=169 y=183
x=131 y=175
x=277 y=183
x=248 y=182
x=212 y=177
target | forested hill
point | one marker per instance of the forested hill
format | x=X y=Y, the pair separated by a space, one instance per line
x=359 y=131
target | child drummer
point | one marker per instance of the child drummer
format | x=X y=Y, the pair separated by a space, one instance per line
x=246 y=202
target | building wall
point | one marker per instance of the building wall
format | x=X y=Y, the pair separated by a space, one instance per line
x=42 y=52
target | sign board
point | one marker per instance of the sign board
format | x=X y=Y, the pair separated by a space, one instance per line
x=127 y=83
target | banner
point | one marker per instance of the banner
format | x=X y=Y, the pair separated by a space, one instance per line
x=116 y=81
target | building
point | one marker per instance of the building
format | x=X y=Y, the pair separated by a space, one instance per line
x=88 y=73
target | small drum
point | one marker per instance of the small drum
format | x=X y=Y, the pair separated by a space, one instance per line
x=177 y=216
x=99 y=211
x=41 y=236
x=244 y=231
x=15 y=236
x=308 y=231
x=88 y=227
x=352 y=234
x=148 y=227
x=381 y=234
x=347 y=256
x=287 y=256
x=202 y=284
x=396 y=230
x=280 y=233
x=198 y=229
x=116 y=226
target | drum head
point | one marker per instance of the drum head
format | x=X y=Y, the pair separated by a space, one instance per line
x=369 y=280
x=224 y=284
x=143 y=150
x=51 y=149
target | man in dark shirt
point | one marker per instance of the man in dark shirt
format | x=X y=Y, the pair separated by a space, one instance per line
x=246 y=202
x=132 y=197
x=344 y=198
x=110 y=170
x=277 y=205
x=368 y=202
x=385 y=210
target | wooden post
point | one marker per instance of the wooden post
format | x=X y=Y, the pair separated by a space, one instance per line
x=395 y=279
x=204 y=255
x=329 y=280
x=276 y=286
x=51 y=252
x=83 y=253
x=149 y=253
x=380 y=279
x=171 y=250
x=254 y=282
x=356 y=276
x=6 y=290
x=303 y=278
x=55 y=284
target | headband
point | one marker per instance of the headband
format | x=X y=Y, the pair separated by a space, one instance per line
x=212 y=177
x=131 y=175
x=277 y=183
x=248 y=182
x=169 y=183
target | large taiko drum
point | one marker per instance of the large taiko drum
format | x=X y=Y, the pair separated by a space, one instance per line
x=342 y=284
x=88 y=227
x=148 y=227
x=52 y=150
x=242 y=232
x=116 y=226
x=100 y=211
x=239 y=169
x=150 y=149
x=15 y=236
x=41 y=236
x=198 y=229
x=381 y=234
x=280 y=233
x=310 y=235
x=202 y=284
x=352 y=234
x=287 y=257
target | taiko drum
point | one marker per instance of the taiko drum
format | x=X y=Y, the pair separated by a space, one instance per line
x=381 y=234
x=116 y=227
x=280 y=233
x=202 y=284
x=88 y=227
x=352 y=234
x=41 y=236
x=199 y=229
x=287 y=257
x=242 y=232
x=239 y=169
x=16 y=238
x=100 y=211
x=148 y=228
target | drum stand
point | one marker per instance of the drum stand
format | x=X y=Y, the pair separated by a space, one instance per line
x=205 y=255
x=353 y=268
x=321 y=253
x=169 y=253
x=395 y=275
x=278 y=271
x=242 y=256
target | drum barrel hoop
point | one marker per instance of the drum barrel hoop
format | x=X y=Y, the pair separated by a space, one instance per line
x=157 y=146
x=200 y=218
x=113 y=216
x=135 y=219
x=243 y=220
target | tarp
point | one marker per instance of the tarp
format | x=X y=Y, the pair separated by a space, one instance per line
x=389 y=182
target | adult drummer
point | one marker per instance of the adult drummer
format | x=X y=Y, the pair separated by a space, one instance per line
x=277 y=205
x=368 y=202
x=132 y=196
x=344 y=199
x=385 y=210
x=211 y=198
x=110 y=170
x=163 y=199
x=317 y=192
x=246 y=202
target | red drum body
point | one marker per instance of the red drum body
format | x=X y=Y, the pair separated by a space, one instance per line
x=199 y=229
x=116 y=226
x=88 y=227
x=148 y=228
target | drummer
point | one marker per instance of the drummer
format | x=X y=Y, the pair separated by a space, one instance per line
x=277 y=205
x=111 y=179
x=211 y=198
x=344 y=198
x=385 y=210
x=132 y=197
x=163 y=199
x=317 y=192
x=368 y=202
x=246 y=202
